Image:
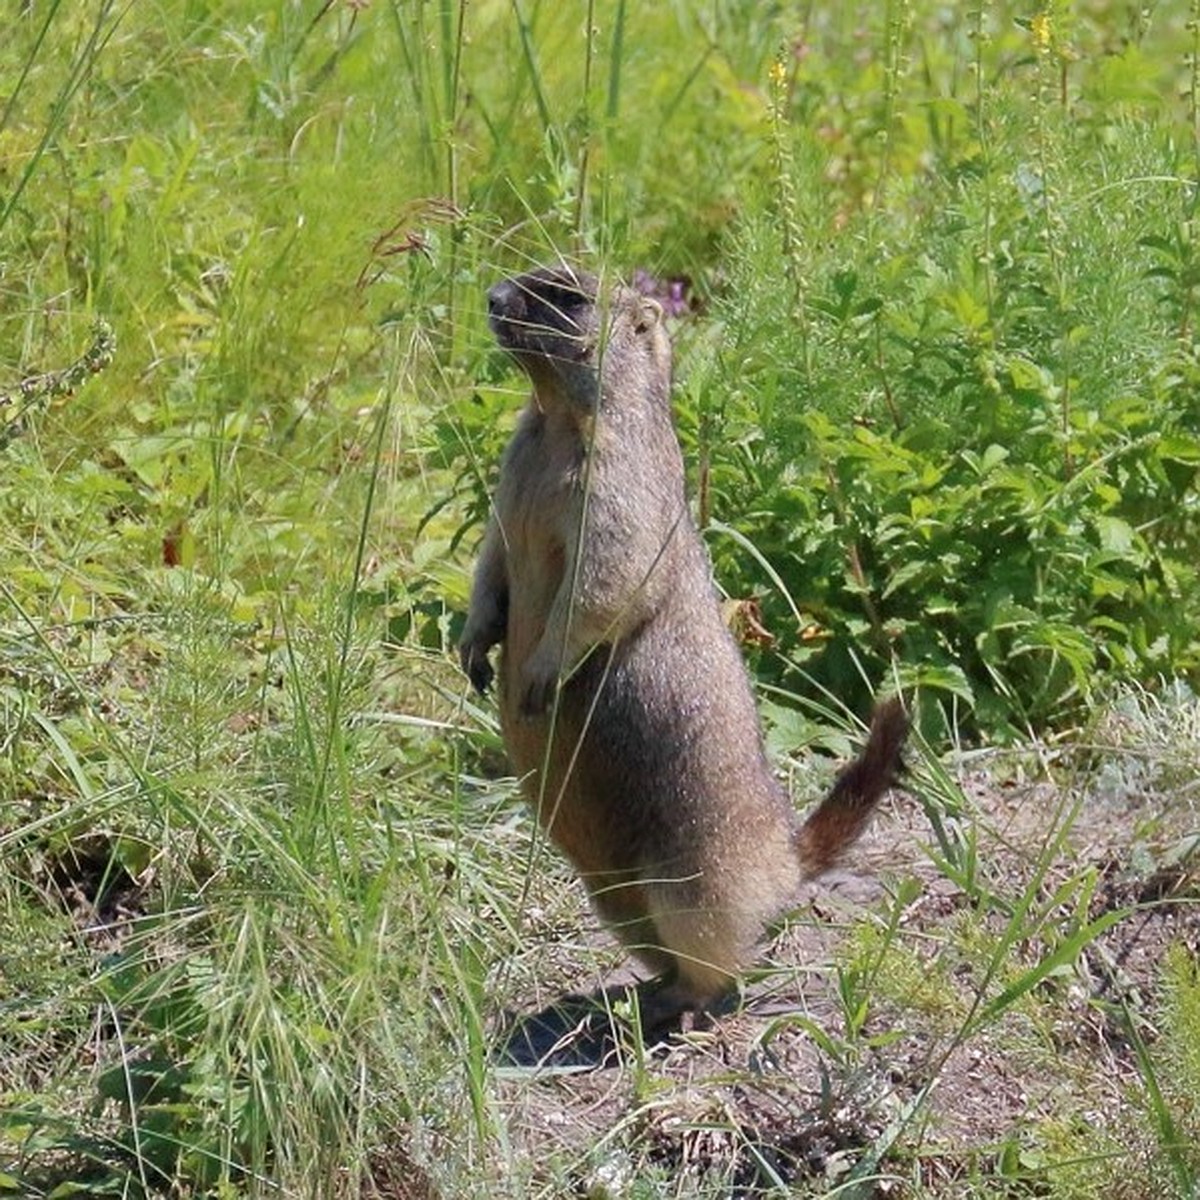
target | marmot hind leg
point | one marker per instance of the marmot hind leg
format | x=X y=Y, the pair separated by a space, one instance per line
x=696 y=948
x=706 y=944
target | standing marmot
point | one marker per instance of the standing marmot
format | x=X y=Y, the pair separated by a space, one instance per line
x=624 y=702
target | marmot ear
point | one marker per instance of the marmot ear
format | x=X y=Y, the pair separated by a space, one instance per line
x=649 y=314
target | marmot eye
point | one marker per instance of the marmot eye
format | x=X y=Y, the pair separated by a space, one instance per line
x=563 y=298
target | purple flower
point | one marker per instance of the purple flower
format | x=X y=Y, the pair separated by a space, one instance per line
x=672 y=292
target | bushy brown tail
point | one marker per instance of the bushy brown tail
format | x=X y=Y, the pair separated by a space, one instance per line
x=843 y=814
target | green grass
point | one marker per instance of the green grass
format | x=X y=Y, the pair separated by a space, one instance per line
x=265 y=893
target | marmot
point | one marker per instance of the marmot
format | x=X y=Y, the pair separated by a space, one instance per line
x=624 y=702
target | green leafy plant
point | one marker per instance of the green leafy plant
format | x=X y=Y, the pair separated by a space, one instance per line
x=965 y=487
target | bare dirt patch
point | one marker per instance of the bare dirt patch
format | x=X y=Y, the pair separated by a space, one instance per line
x=863 y=1045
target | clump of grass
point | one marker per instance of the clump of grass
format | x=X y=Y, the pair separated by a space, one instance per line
x=243 y=956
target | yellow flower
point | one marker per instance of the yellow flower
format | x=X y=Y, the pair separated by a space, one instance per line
x=1041 y=31
x=777 y=73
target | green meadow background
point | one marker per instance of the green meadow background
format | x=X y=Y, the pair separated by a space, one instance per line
x=263 y=888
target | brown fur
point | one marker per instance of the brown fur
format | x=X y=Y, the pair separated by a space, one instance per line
x=624 y=702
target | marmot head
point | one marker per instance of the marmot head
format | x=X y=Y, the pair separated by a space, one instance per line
x=574 y=338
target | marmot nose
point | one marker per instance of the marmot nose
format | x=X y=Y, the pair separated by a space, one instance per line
x=505 y=300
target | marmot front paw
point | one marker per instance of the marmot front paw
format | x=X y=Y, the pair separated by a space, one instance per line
x=538 y=692
x=474 y=657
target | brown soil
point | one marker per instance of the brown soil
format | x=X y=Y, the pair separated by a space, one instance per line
x=782 y=1092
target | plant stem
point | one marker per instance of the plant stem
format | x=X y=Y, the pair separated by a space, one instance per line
x=1049 y=217
x=614 y=66
x=981 y=132
x=789 y=225
x=452 y=82
x=585 y=133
